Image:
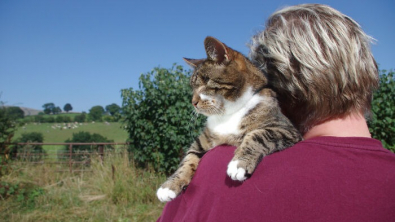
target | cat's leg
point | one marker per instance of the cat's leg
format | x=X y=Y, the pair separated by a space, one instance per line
x=255 y=146
x=183 y=175
x=180 y=179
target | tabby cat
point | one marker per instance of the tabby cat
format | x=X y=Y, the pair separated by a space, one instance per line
x=242 y=111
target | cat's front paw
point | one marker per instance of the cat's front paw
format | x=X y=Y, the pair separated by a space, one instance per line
x=165 y=194
x=235 y=172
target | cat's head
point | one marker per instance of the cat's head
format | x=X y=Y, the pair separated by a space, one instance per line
x=224 y=81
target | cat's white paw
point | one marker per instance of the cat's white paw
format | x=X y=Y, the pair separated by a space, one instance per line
x=165 y=194
x=236 y=173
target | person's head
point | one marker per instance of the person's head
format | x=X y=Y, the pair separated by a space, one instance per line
x=319 y=62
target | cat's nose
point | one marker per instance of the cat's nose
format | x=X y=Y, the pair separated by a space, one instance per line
x=195 y=102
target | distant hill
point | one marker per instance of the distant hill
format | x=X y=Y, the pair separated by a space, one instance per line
x=30 y=112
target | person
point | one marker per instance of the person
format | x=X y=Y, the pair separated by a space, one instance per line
x=319 y=62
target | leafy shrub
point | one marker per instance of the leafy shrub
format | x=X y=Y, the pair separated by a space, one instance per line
x=81 y=152
x=39 y=119
x=59 y=119
x=31 y=152
x=49 y=119
x=80 y=118
x=108 y=118
x=382 y=125
x=159 y=118
x=24 y=193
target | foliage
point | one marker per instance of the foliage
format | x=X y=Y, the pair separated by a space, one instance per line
x=24 y=193
x=15 y=112
x=96 y=113
x=113 y=109
x=80 y=118
x=7 y=125
x=382 y=125
x=51 y=108
x=33 y=137
x=85 y=137
x=108 y=118
x=63 y=119
x=7 y=130
x=55 y=118
x=67 y=107
x=159 y=118
x=31 y=152
x=57 y=110
x=49 y=119
x=48 y=108
x=39 y=118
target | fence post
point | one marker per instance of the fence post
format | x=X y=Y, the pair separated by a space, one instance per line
x=70 y=157
x=14 y=153
x=101 y=152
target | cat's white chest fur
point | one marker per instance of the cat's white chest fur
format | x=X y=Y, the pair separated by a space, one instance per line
x=229 y=122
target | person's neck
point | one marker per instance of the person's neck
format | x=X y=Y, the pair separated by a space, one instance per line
x=353 y=125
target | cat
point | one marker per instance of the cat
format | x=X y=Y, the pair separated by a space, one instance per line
x=241 y=111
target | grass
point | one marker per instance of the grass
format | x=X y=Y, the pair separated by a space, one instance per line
x=114 y=191
x=112 y=131
x=55 y=133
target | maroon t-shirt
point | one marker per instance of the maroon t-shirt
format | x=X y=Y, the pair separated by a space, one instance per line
x=320 y=179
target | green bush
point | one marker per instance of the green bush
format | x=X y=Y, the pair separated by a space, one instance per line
x=49 y=119
x=30 y=152
x=159 y=118
x=382 y=125
x=80 y=118
x=82 y=152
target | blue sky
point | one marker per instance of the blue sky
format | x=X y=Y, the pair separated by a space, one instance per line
x=84 y=52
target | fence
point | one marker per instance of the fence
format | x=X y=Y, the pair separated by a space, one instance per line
x=73 y=157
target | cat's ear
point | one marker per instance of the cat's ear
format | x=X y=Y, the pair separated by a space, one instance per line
x=216 y=50
x=193 y=62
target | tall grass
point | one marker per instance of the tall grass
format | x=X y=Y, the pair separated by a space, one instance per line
x=115 y=190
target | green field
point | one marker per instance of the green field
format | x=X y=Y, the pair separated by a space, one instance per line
x=59 y=133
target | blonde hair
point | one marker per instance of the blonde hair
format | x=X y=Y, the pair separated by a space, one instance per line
x=319 y=62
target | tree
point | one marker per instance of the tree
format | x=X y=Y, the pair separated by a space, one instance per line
x=382 y=125
x=48 y=108
x=67 y=107
x=96 y=113
x=113 y=109
x=159 y=118
x=15 y=112
x=7 y=129
x=57 y=110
